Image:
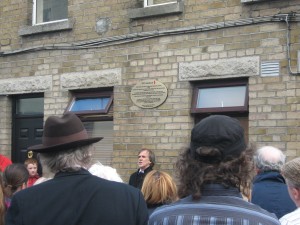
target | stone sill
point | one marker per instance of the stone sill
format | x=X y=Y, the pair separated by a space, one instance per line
x=49 y=27
x=160 y=10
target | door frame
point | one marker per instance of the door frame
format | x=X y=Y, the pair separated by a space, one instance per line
x=15 y=116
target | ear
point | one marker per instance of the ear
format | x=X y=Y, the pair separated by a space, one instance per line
x=295 y=193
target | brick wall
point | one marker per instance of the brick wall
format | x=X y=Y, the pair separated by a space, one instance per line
x=273 y=100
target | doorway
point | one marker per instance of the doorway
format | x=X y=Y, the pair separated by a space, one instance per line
x=28 y=115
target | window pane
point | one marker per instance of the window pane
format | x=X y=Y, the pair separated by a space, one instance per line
x=51 y=10
x=30 y=106
x=89 y=104
x=221 y=97
x=104 y=148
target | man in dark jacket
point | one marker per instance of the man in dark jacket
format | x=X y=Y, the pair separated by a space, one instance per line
x=74 y=196
x=269 y=188
x=146 y=161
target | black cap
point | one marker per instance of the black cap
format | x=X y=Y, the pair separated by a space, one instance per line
x=221 y=132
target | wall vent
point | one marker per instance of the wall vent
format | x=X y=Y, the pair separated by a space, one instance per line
x=269 y=68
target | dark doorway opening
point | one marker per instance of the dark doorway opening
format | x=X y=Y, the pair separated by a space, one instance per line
x=27 y=130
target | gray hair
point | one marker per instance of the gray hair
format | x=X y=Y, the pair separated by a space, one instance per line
x=269 y=158
x=68 y=160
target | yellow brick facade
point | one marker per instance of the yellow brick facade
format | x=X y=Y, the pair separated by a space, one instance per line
x=154 y=47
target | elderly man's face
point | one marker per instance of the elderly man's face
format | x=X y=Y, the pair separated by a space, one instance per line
x=143 y=160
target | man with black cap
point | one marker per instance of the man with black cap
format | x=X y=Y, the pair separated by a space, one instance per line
x=74 y=196
x=213 y=173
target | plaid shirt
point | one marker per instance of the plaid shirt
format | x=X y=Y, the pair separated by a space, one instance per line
x=217 y=206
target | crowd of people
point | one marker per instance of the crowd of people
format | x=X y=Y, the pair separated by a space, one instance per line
x=218 y=179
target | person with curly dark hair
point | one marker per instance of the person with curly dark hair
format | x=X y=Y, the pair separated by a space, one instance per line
x=213 y=174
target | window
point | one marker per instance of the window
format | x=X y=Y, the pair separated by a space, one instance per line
x=91 y=103
x=95 y=109
x=154 y=8
x=30 y=106
x=148 y=3
x=221 y=96
x=226 y=97
x=46 y=11
x=104 y=148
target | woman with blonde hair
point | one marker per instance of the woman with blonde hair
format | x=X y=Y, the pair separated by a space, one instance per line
x=159 y=189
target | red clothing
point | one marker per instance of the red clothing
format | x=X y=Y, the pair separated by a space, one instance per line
x=4 y=162
x=32 y=180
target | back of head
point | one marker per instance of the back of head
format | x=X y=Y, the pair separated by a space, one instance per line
x=14 y=176
x=105 y=172
x=269 y=158
x=291 y=172
x=69 y=160
x=217 y=154
x=159 y=188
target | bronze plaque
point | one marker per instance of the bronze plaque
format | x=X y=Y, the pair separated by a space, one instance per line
x=149 y=94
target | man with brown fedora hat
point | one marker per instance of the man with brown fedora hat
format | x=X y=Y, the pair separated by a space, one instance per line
x=74 y=196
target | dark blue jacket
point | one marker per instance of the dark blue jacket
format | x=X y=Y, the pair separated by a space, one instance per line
x=270 y=192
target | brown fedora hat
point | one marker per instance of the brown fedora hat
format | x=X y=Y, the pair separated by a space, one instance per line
x=62 y=134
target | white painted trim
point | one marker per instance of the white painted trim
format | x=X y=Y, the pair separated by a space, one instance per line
x=54 y=21
x=152 y=5
x=34 y=12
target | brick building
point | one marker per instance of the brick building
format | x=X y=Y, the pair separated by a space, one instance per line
x=233 y=57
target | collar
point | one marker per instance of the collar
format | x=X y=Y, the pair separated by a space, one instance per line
x=149 y=168
x=65 y=174
x=274 y=176
x=220 y=190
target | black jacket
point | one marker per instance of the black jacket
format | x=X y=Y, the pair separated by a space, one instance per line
x=78 y=198
x=136 y=179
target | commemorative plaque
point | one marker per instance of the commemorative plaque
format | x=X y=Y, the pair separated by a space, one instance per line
x=149 y=94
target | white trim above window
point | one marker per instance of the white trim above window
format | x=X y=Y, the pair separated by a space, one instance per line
x=49 y=11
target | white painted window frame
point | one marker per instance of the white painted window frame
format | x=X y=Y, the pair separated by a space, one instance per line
x=34 y=16
x=149 y=3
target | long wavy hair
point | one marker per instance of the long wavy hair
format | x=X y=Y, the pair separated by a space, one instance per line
x=194 y=172
x=68 y=160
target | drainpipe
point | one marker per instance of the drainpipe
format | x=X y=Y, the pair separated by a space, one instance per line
x=288 y=44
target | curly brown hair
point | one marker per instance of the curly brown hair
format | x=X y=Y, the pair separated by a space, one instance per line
x=194 y=172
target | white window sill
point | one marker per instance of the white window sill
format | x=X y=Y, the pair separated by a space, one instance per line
x=156 y=10
x=47 y=27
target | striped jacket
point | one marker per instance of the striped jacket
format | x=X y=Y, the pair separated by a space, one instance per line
x=217 y=206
